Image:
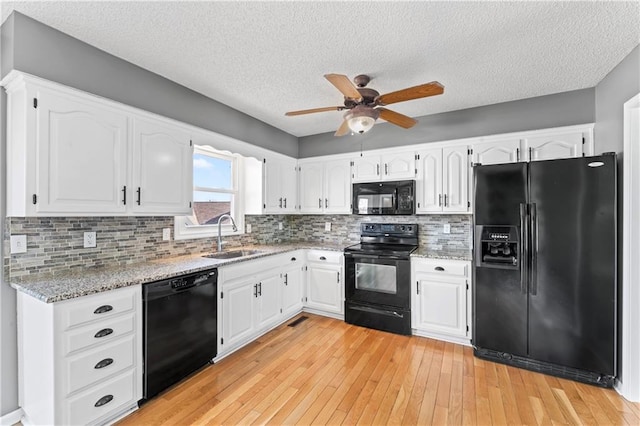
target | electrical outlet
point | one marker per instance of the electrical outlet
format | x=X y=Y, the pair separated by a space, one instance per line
x=18 y=244
x=447 y=228
x=280 y=226
x=89 y=239
x=166 y=234
x=248 y=228
x=327 y=226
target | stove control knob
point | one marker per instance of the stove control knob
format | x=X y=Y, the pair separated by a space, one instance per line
x=402 y=228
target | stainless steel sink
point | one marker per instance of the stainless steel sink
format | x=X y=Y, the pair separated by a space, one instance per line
x=232 y=254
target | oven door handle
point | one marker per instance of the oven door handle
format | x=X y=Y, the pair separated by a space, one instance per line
x=363 y=256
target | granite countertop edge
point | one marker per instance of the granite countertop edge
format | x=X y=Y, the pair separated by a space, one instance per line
x=86 y=281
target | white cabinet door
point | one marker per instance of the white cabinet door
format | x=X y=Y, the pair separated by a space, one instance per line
x=311 y=191
x=441 y=306
x=324 y=285
x=268 y=308
x=81 y=155
x=429 y=182
x=455 y=179
x=292 y=290
x=162 y=169
x=280 y=185
x=337 y=186
x=366 y=168
x=497 y=152
x=398 y=166
x=237 y=311
x=562 y=145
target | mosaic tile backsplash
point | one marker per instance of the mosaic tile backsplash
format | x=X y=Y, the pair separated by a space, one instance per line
x=55 y=244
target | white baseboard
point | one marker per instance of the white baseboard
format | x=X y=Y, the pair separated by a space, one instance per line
x=11 y=418
x=451 y=339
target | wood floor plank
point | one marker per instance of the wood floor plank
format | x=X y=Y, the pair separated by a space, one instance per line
x=324 y=371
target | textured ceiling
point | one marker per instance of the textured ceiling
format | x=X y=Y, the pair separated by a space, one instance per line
x=266 y=58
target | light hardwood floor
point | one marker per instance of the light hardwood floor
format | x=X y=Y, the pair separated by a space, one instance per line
x=324 y=371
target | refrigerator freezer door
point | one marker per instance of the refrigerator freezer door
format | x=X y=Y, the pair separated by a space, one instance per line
x=572 y=287
x=499 y=190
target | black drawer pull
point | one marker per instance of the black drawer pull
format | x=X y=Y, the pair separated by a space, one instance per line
x=102 y=309
x=104 y=363
x=104 y=400
x=103 y=332
x=323 y=258
x=293 y=259
x=439 y=268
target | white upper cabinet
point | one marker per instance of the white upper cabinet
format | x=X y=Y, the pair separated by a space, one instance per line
x=325 y=186
x=280 y=187
x=370 y=168
x=561 y=145
x=162 y=168
x=497 y=152
x=74 y=154
x=442 y=185
x=81 y=160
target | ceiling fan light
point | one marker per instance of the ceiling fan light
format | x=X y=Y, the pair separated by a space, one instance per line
x=361 y=119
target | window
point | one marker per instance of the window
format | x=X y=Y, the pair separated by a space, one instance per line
x=216 y=191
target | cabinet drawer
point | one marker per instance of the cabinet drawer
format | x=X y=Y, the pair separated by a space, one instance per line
x=109 y=397
x=442 y=267
x=95 y=365
x=334 y=257
x=98 y=307
x=99 y=332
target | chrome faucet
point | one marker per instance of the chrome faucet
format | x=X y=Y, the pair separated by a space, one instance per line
x=233 y=224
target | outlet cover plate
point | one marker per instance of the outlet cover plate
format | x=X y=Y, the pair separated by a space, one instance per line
x=166 y=234
x=90 y=239
x=18 y=244
x=280 y=227
x=248 y=228
x=447 y=228
x=327 y=226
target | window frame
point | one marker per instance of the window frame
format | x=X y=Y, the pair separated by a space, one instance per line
x=186 y=227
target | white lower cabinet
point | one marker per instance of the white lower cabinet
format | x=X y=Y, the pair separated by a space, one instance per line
x=80 y=360
x=441 y=299
x=255 y=296
x=325 y=283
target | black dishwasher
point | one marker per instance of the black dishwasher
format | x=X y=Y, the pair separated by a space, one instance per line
x=180 y=328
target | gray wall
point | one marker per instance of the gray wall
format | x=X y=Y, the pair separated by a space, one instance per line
x=48 y=53
x=561 y=109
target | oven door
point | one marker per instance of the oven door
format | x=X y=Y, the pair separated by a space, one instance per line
x=378 y=280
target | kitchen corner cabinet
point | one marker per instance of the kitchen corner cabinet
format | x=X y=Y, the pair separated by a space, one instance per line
x=325 y=187
x=280 y=178
x=442 y=185
x=441 y=299
x=391 y=166
x=80 y=360
x=71 y=154
x=325 y=283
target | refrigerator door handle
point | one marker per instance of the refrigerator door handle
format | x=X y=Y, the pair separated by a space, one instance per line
x=534 y=249
x=524 y=247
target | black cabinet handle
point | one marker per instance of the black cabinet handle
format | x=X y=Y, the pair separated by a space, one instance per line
x=445 y=200
x=378 y=169
x=104 y=363
x=255 y=290
x=285 y=203
x=319 y=203
x=286 y=279
x=293 y=259
x=338 y=281
x=439 y=268
x=124 y=195
x=138 y=192
x=260 y=289
x=386 y=169
x=323 y=258
x=102 y=401
x=326 y=203
x=102 y=309
x=280 y=202
x=439 y=200
x=104 y=332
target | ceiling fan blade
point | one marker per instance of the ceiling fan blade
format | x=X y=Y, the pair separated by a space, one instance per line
x=310 y=111
x=416 y=92
x=343 y=129
x=344 y=85
x=396 y=118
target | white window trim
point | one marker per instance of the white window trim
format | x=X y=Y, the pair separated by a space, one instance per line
x=186 y=227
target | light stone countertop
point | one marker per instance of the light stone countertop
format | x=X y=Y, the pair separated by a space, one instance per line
x=86 y=281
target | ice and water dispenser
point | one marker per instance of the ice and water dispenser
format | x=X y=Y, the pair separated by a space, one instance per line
x=497 y=246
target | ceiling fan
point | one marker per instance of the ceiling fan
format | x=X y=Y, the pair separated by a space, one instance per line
x=364 y=105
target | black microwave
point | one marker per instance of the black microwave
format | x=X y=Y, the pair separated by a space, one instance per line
x=384 y=198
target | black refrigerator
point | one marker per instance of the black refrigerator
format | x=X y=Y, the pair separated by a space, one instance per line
x=545 y=284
